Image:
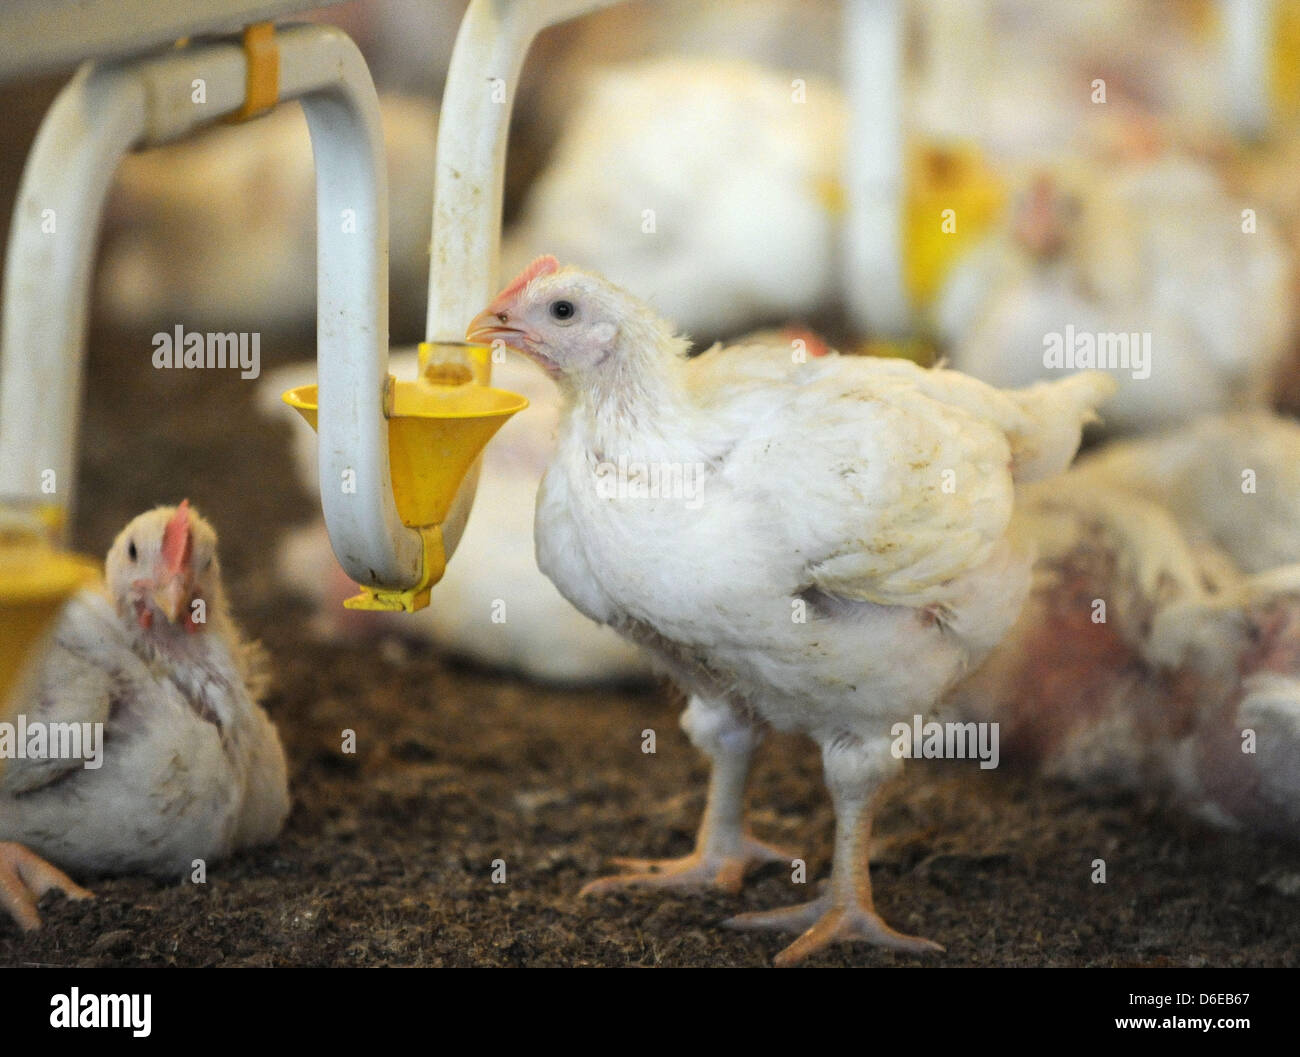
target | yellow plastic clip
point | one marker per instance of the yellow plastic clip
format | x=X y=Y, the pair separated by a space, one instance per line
x=263 y=85
x=413 y=598
x=53 y=517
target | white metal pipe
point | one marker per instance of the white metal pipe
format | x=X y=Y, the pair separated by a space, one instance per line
x=47 y=278
x=96 y=119
x=338 y=97
x=469 y=183
x=43 y=35
x=956 y=37
x=1248 y=40
x=469 y=180
x=875 y=291
x=103 y=112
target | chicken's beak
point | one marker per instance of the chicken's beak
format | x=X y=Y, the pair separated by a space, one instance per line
x=488 y=327
x=171 y=597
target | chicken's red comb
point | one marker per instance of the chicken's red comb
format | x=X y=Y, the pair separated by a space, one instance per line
x=542 y=266
x=177 y=541
x=814 y=343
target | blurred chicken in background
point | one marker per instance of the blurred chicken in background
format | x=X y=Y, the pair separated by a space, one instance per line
x=219 y=232
x=691 y=177
x=1232 y=482
x=708 y=186
x=1028 y=90
x=1151 y=263
x=1159 y=651
x=1265 y=175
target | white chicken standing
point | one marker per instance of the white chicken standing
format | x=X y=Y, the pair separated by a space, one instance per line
x=1152 y=248
x=826 y=551
x=709 y=186
x=191 y=766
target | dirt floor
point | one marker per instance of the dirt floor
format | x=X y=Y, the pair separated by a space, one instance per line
x=388 y=856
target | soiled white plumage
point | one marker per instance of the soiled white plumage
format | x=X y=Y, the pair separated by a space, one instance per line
x=192 y=767
x=1145 y=248
x=828 y=486
x=736 y=177
x=844 y=559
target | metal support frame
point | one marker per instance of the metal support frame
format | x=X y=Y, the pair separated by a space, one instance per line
x=110 y=108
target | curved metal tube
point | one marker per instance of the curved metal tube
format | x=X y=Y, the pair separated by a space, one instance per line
x=109 y=108
x=338 y=97
x=874 y=291
x=103 y=112
x=1248 y=27
x=92 y=123
x=469 y=183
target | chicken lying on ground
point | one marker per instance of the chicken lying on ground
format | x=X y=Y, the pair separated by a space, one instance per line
x=1159 y=651
x=1146 y=268
x=823 y=548
x=542 y=636
x=189 y=766
x=1230 y=481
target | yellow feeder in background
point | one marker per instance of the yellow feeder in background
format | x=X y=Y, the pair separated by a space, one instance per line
x=941 y=178
x=952 y=199
x=1284 y=74
x=35 y=582
x=437 y=426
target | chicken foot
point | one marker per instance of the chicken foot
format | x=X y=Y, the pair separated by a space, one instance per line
x=846 y=910
x=24 y=878
x=724 y=852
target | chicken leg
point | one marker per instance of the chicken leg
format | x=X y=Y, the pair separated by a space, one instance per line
x=24 y=878
x=724 y=851
x=845 y=911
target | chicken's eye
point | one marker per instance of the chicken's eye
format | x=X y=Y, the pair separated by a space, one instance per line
x=562 y=310
x=131 y=551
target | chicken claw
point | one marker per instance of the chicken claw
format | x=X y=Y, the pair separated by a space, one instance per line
x=24 y=878
x=700 y=869
x=845 y=911
x=823 y=923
